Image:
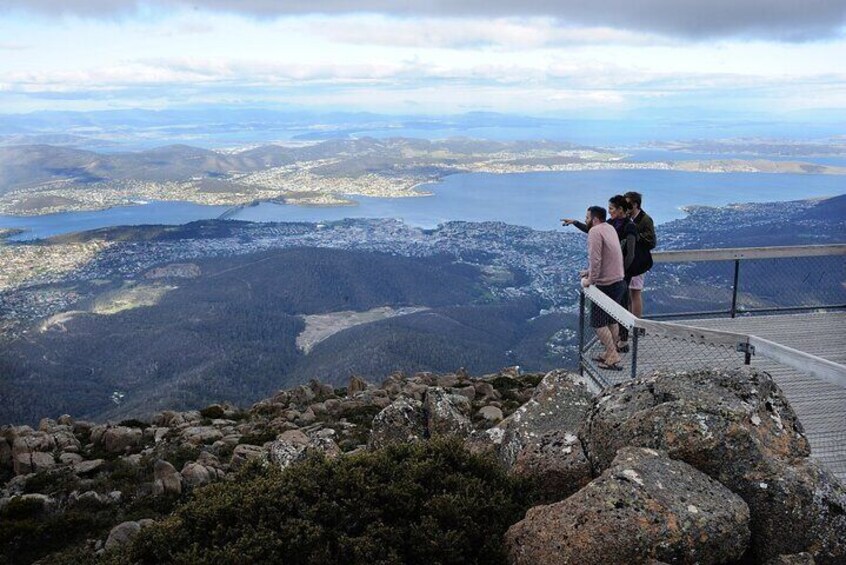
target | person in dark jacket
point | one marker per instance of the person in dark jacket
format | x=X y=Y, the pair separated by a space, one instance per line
x=646 y=241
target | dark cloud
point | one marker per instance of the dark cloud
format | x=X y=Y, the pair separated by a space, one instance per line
x=785 y=20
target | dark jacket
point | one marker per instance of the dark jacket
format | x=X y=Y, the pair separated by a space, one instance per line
x=646 y=230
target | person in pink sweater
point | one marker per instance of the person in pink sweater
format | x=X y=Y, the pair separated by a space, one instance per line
x=605 y=270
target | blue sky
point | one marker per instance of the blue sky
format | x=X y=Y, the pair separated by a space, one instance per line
x=603 y=58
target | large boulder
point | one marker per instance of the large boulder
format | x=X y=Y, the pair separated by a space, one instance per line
x=121 y=438
x=718 y=421
x=556 y=465
x=122 y=534
x=447 y=413
x=402 y=421
x=645 y=506
x=738 y=427
x=32 y=462
x=166 y=479
x=560 y=403
x=244 y=453
x=199 y=435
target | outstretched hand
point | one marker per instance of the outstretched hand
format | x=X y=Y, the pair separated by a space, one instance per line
x=567 y=221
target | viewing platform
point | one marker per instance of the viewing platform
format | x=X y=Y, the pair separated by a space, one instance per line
x=803 y=346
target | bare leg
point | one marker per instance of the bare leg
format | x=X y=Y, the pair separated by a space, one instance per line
x=636 y=303
x=608 y=336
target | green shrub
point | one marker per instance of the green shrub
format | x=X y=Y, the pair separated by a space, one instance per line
x=212 y=412
x=427 y=503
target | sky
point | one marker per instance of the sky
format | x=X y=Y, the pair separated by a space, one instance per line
x=537 y=57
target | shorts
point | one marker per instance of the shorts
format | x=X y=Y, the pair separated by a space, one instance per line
x=637 y=282
x=617 y=292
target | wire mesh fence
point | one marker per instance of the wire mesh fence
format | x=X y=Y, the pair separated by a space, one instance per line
x=711 y=284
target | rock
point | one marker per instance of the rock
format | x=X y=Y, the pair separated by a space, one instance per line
x=737 y=427
x=88 y=467
x=560 y=403
x=306 y=417
x=5 y=453
x=321 y=390
x=332 y=406
x=44 y=502
x=710 y=419
x=302 y=396
x=446 y=381
x=284 y=453
x=122 y=534
x=796 y=507
x=25 y=463
x=490 y=413
x=803 y=558
x=88 y=498
x=66 y=420
x=70 y=458
x=446 y=414
x=167 y=479
x=119 y=439
x=468 y=392
x=400 y=422
x=295 y=437
x=200 y=435
x=556 y=465
x=244 y=453
x=356 y=385
x=168 y=419
x=645 y=506
x=35 y=441
x=485 y=390
x=195 y=474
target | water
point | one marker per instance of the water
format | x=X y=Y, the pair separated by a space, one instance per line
x=537 y=200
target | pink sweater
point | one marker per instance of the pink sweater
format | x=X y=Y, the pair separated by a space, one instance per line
x=605 y=256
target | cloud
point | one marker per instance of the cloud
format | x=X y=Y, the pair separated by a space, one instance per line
x=455 y=33
x=784 y=20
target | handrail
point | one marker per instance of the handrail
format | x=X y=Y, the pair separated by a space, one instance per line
x=823 y=369
x=735 y=253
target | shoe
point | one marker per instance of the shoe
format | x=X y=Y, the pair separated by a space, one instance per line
x=623 y=348
x=607 y=367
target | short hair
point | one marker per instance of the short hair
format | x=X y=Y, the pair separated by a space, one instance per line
x=598 y=212
x=635 y=197
x=619 y=201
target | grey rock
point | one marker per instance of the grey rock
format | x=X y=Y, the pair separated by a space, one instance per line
x=122 y=534
x=400 y=422
x=556 y=465
x=356 y=385
x=244 y=453
x=199 y=435
x=70 y=458
x=560 y=403
x=490 y=413
x=446 y=413
x=195 y=474
x=119 y=439
x=645 y=506
x=32 y=462
x=88 y=467
x=166 y=479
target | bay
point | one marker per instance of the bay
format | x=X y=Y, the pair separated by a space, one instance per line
x=536 y=200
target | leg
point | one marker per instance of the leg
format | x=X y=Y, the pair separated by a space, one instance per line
x=608 y=338
x=637 y=303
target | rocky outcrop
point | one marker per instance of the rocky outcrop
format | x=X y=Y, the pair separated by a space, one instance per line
x=447 y=413
x=737 y=427
x=644 y=506
x=556 y=465
x=402 y=421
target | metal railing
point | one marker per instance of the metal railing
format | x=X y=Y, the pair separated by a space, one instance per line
x=778 y=279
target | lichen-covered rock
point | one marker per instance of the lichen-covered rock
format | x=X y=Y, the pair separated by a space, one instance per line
x=645 y=506
x=555 y=464
x=199 y=435
x=293 y=446
x=122 y=534
x=166 y=479
x=490 y=413
x=32 y=462
x=797 y=506
x=401 y=421
x=737 y=427
x=244 y=453
x=120 y=438
x=195 y=474
x=560 y=403
x=712 y=420
x=82 y=468
x=446 y=413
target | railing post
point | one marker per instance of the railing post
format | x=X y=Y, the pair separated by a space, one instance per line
x=734 y=288
x=581 y=331
x=635 y=334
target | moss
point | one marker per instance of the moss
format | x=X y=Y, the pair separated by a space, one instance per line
x=430 y=502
